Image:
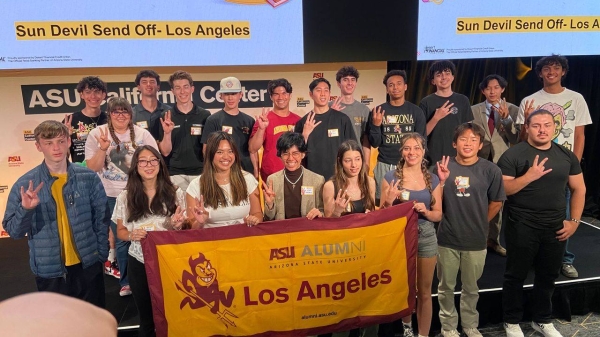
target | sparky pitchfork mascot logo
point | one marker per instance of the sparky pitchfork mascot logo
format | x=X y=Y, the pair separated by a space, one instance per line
x=201 y=288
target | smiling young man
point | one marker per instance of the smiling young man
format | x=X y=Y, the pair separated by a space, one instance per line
x=92 y=91
x=444 y=111
x=61 y=208
x=269 y=126
x=324 y=129
x=389 y=121
x=147 y=113
x=180 y=131
x=497 y=118
x=536 y=173
x=571 y=115
x=472 y=195
x=234 y=122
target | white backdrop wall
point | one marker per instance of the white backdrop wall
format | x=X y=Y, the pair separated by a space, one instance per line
x=55 y=88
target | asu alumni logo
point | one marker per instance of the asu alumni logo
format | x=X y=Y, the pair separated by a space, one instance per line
x=201 y=287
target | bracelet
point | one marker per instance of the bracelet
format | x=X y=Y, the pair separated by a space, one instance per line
x=575 y=220
x=129 y=236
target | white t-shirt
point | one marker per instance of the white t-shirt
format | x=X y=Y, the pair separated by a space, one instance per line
x=569 y=110
x=149 y=223
x=229 y=215
x=116 y=164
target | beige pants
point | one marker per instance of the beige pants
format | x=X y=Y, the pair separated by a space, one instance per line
x=470 y=264
x=182 y=181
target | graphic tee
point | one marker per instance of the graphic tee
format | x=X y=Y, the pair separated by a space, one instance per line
x=359 y=114
x=82 y=125
x=569 y=110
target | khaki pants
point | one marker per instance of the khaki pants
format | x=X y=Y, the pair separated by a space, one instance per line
x=470 y=264
x=182 y=181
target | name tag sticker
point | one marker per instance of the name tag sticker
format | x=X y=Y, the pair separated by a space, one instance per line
x=307 y=190
x=227 y=129
x=196 y=131
x=142 y=124
x=333 y=133
x=148 y=227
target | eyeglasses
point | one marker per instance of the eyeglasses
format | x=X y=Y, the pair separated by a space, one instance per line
x=295 y=155
x=119 y=112
x=144 y=163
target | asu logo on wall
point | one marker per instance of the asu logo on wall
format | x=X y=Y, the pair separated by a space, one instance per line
x=288 y=278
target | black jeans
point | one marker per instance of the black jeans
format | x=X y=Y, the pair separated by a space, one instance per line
x=141 y=295
x=527 y=247
x=85 y=284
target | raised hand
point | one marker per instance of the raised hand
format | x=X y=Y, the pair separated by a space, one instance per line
x=309 y=125
x=392 y=193
x=337 y=104
x=529 y=108
x=103 y=141
x=537 y=170
x=503 y=109
x=200 y=213
x=442 y=169
x=262 y=119
x=444 y=110
x=177 y=218
x=166 y=123
x=29 y=198
x=378 y=116
x=314 y=213
x=341 y=202
x=67 y=122
x=269 y=195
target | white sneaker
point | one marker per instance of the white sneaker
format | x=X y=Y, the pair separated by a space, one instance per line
x=450 y=333
x=546 y=329
x=472 y=332
x=513 y=330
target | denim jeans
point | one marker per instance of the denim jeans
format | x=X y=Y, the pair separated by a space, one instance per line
x=122 y=247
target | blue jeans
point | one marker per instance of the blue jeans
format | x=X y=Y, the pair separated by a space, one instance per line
x=122 y=247
x=568 y=257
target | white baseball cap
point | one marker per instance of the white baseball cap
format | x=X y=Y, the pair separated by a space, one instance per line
x=230 y=85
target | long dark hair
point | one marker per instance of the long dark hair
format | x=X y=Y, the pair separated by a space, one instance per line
x=165 y=199
x=214 y=195
x=426 y=175
x=341 y=180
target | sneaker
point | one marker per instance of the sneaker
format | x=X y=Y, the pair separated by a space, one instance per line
x=513 y=330
x=496 y=247
x=569 y=271
x=112 y=269
x=472 y=332
x=408 y=332
x=125 y=291
x=450 y=333
x=546 y=329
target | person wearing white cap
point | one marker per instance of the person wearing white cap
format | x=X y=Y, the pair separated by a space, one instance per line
x=234 y=122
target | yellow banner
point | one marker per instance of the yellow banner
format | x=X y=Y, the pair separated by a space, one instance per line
x=238 y=281
x=87 y=30
x=533 y=24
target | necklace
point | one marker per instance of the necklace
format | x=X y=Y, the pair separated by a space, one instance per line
x=411 y=177
x=297 y=180
x=95 y=121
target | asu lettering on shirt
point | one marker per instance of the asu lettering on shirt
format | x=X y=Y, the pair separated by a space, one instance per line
x=282 y=128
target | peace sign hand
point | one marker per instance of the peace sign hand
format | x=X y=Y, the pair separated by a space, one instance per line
x=166 y=123
x=442 y=169
x=67 y=123
x=536 y=171
x=309 y=125
x=200 y=213
x=341 y=202
x=263 y=120
x=378 y=116
x=29 y=198
x=444 y=110
x=503 y=109
x=177 y=218
x=269 y=194
x=529 y=108
x=103 y=141
x=392 y=193
x=337 y=104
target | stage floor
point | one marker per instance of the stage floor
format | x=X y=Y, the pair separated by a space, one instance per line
x=16 y=277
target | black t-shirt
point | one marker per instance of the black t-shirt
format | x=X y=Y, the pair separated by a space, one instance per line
x=238 y=126
x=397 y=120
x=82 y=125
x=186 y=153
x=325 y=139
x=542 y=203
x=439 y=141
x=149 y=120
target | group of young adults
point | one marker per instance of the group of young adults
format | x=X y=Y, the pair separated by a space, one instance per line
x=156 y=167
